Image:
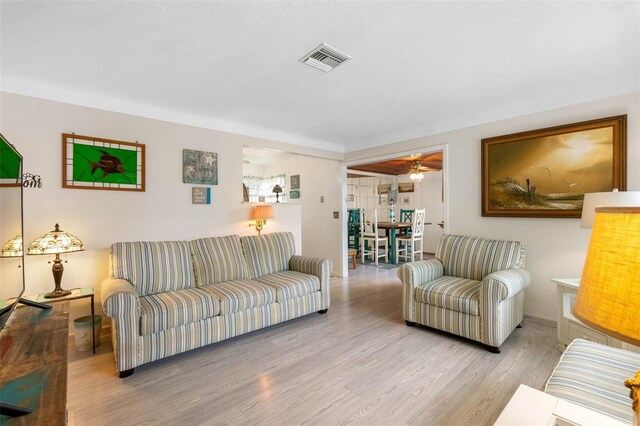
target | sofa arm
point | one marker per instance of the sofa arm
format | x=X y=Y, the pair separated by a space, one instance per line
x=412 y=275
x=507 y=283
x=318 y=266
x=121 y=302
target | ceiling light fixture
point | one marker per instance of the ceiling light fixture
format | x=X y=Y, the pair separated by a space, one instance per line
x=416 y=171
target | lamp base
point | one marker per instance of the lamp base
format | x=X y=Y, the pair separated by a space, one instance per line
x=58 y=292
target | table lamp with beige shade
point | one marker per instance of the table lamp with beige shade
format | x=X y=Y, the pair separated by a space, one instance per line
x=608 y=299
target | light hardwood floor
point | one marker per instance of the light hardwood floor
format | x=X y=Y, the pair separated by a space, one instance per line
x=359 y=364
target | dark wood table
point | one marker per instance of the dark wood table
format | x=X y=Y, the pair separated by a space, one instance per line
x=33 y=371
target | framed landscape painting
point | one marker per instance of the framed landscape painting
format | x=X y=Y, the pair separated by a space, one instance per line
x=96 y=163
x=546 y=172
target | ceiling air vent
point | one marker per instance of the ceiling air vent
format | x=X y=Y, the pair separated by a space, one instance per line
x=324 y=58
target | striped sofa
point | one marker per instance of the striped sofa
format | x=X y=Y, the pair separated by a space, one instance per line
x=474 y=288
x=593 y=375
x=168 y=297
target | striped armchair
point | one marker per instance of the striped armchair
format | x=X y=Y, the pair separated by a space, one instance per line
x=474 y=288
x=168 y=297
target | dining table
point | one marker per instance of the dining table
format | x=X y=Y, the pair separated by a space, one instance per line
x=390 y=229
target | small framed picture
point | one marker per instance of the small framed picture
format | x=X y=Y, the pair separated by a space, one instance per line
x=406 y=187
x=405 y=200
x=295 y=182
x=200 y=195
x=294 y=194
x=384 y=188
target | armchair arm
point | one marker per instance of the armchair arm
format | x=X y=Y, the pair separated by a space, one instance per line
x=318 y=266
x=507 y=283
x=121 y=302
x=412 y=275
x=501 y=304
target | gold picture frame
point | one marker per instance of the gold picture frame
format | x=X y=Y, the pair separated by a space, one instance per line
x=546 y=172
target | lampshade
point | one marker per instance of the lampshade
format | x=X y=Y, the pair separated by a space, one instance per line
x=13 y=247
x=55 y=242
x=263 y=212
x=609 y=291
x=606 y=199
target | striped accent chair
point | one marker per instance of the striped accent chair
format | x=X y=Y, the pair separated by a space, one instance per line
x=474 y=288
x=593 y=375
x=168 y=297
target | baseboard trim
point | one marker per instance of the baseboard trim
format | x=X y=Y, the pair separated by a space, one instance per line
x=542 y=321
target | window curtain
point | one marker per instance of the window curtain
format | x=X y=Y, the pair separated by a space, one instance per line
x=261 y=188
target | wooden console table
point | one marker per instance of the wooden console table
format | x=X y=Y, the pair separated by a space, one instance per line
x=33 y=355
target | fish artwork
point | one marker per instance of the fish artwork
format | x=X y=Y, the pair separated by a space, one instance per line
x=109 y=164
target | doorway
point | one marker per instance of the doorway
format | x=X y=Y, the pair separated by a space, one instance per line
x=398 y=182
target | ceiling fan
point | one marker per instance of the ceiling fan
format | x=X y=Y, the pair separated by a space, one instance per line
x=416 y=170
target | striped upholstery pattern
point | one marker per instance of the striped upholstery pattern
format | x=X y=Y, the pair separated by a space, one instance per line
x=593 y=375
x=475 y=258
x=153 y=267
x=201 y=333
x=290 y=284
x=455 y=322
x=218 y=259
x=299 y=306
x=240 y=295
x=453 y=293
x=269 y=253
x=121 y=302
x=318 y=267
x=412 y=275
x=170 y=309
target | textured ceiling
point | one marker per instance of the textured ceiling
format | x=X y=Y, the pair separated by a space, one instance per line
x=418 y=68
x=402 y=166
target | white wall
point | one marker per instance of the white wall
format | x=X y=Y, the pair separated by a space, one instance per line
x=163 y=212
x=318 y=178
x=555 y=247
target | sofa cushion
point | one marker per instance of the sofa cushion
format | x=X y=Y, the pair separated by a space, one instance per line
x=453 y=293
x=241 y=295
x=153 y=267
x=290 y=284
x=162 y=311
x=268 y=254
x=218 y=259
x=475 y=258
x=593 y=375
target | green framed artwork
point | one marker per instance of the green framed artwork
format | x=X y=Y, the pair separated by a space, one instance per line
x=199 y=167
x=294 y=194
x=10 y=163
x=97 y=163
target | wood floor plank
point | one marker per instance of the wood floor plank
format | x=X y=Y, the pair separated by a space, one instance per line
x=358 y=364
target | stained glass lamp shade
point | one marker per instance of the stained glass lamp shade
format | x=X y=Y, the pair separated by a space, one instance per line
x=56 y=242
x=13 y=247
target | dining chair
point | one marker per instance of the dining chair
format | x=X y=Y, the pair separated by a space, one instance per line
x=406 y=216
x=408 y=244
x=353 y=226
x=371 y=240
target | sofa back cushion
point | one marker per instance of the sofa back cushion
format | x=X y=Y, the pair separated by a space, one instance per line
x=269 y=253
x=218 y=259
x=474 y=258
x=153 y=267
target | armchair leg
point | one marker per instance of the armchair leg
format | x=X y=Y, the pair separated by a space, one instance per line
x=410 y=323
x=126 y=373
x=519 y=325
x=492 y=349
x=323 y=311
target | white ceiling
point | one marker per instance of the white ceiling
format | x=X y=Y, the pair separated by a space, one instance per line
x=418 y=68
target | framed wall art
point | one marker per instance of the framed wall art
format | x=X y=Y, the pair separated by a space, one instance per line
x=295 y=182
x=384 y=188
x=294 y=194
x=406 y=187
x=96 y=163
x=546 y=172
x=199 y=167
x=200 y=195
